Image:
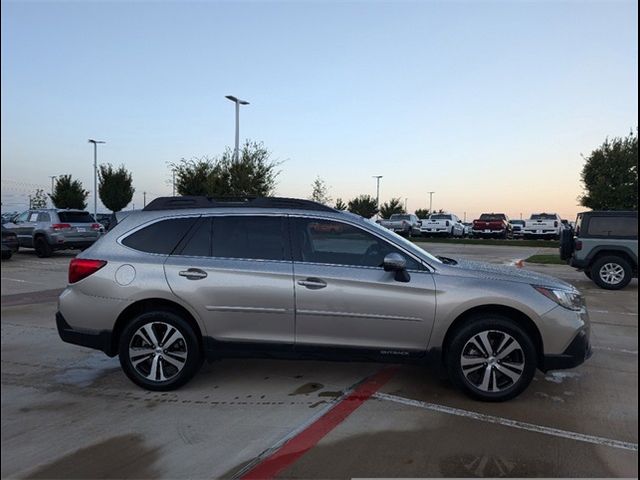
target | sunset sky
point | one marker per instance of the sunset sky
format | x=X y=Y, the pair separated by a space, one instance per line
x=489 y=104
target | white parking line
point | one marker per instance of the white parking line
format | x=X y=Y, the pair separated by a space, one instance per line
x=20 y=281
x=617 y=350
x=580 y=437
x=631 y=314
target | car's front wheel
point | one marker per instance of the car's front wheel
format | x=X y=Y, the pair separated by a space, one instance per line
x=42 y=247
x=611 y=272
x=159 y=351
x=491 y=358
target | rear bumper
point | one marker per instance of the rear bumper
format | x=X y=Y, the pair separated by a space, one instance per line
x=98 y=340
x=576 y=353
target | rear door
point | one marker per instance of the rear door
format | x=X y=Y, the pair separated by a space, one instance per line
x=236 y=272
x=345 y=298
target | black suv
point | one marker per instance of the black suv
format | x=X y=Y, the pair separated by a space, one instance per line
x=605 y=246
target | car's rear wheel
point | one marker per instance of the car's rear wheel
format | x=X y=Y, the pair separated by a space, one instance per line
x=42 y=247
x=611 y=272
x=588 y=274
x=491 y=358
x=160 y=351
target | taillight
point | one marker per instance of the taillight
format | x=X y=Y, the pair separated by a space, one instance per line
x=578 y=244
x=96 y=226
x=447 y=223
x=60 y=226
x=80 y=268
x=555 y=224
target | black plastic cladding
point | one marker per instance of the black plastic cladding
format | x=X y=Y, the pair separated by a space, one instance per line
x=176 y=203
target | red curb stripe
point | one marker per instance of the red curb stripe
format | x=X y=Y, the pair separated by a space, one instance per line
x=297 y=446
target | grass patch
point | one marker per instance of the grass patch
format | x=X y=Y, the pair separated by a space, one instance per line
x=546 y=260
x=490 y=241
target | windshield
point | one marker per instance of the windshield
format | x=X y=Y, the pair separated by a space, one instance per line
x=544 y=216
x=401 y=240
x=440 y=217
x=492 y=217
x=398 y=216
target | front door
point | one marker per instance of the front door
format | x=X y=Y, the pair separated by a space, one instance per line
x=345 y=298
x=236 y=271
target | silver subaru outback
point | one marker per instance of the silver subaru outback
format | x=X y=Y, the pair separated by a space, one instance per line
x=190 y=278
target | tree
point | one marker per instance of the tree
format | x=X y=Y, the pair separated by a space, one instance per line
x=610 y=175
x=254 y=174
x=364 y=205
x=340 y=205
x=392 y=206
x=422 y=212
x=320 y=191
x=69 y=193
x=115 y=187
x=38 y=199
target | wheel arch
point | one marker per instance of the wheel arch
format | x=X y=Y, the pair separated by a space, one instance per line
x=519 y=317
x=615 y=252
x=148 y=305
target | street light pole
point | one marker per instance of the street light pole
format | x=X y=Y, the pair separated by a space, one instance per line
x=377 y=177
x=52 y=177
x=238 y=102
x=431 y=201
x=95 y=177
x=144 y=199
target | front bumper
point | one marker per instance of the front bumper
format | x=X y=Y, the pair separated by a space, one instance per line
x=575 y=354
x=99 y=340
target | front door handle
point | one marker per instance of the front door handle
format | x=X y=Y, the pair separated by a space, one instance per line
x=312 y=283
x=193 y=274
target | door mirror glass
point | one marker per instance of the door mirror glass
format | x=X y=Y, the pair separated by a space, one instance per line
x=394 y=262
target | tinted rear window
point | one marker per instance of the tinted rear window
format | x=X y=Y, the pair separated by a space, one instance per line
x=613 y=226
x=544 y=216
x=397 y=216
x=440 y=217
x=160 y=237
x=262 y=238
x=75 y=217
x=492 y=217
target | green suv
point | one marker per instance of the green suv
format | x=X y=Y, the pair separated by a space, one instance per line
x=605 y=246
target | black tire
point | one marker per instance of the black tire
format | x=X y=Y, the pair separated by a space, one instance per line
x=42 y=247
x=497 y=328
x=6 y=254
x=187 y=347
x=598 y=274
x=588 y=274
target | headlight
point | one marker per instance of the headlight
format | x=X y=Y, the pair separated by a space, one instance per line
x=565 y=298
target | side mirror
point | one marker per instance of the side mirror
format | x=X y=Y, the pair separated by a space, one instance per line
x=394 y=262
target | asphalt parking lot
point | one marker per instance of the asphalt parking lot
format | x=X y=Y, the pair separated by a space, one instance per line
x=68 y=412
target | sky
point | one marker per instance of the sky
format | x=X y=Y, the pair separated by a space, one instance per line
x=491 y=105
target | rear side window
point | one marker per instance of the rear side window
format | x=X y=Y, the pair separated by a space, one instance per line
x=75 y=217
x=613 y=227
x=44 y=217
x=160 y=237
x=251 y=237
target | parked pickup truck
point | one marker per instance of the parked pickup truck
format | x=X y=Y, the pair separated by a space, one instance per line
x=543 y=225
x=492 y=225
x=403 y=224
x=446 y=224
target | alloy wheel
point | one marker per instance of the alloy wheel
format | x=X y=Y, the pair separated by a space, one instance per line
x=492 y=361
x=612 y=273
x=158 y=351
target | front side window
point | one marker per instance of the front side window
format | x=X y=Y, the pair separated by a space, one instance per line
x=160 y=237
x=336 y=243
x=22 y=217
x=250 y=237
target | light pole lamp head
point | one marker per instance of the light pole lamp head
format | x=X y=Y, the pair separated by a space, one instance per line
x=95 y=141
x=236 y=100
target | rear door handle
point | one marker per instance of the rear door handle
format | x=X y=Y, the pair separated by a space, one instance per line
x=312 y=283
x=193 y=274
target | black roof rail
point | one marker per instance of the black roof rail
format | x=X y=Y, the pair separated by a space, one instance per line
x=187 y=201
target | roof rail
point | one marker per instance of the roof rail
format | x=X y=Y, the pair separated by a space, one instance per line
x=188 y=201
